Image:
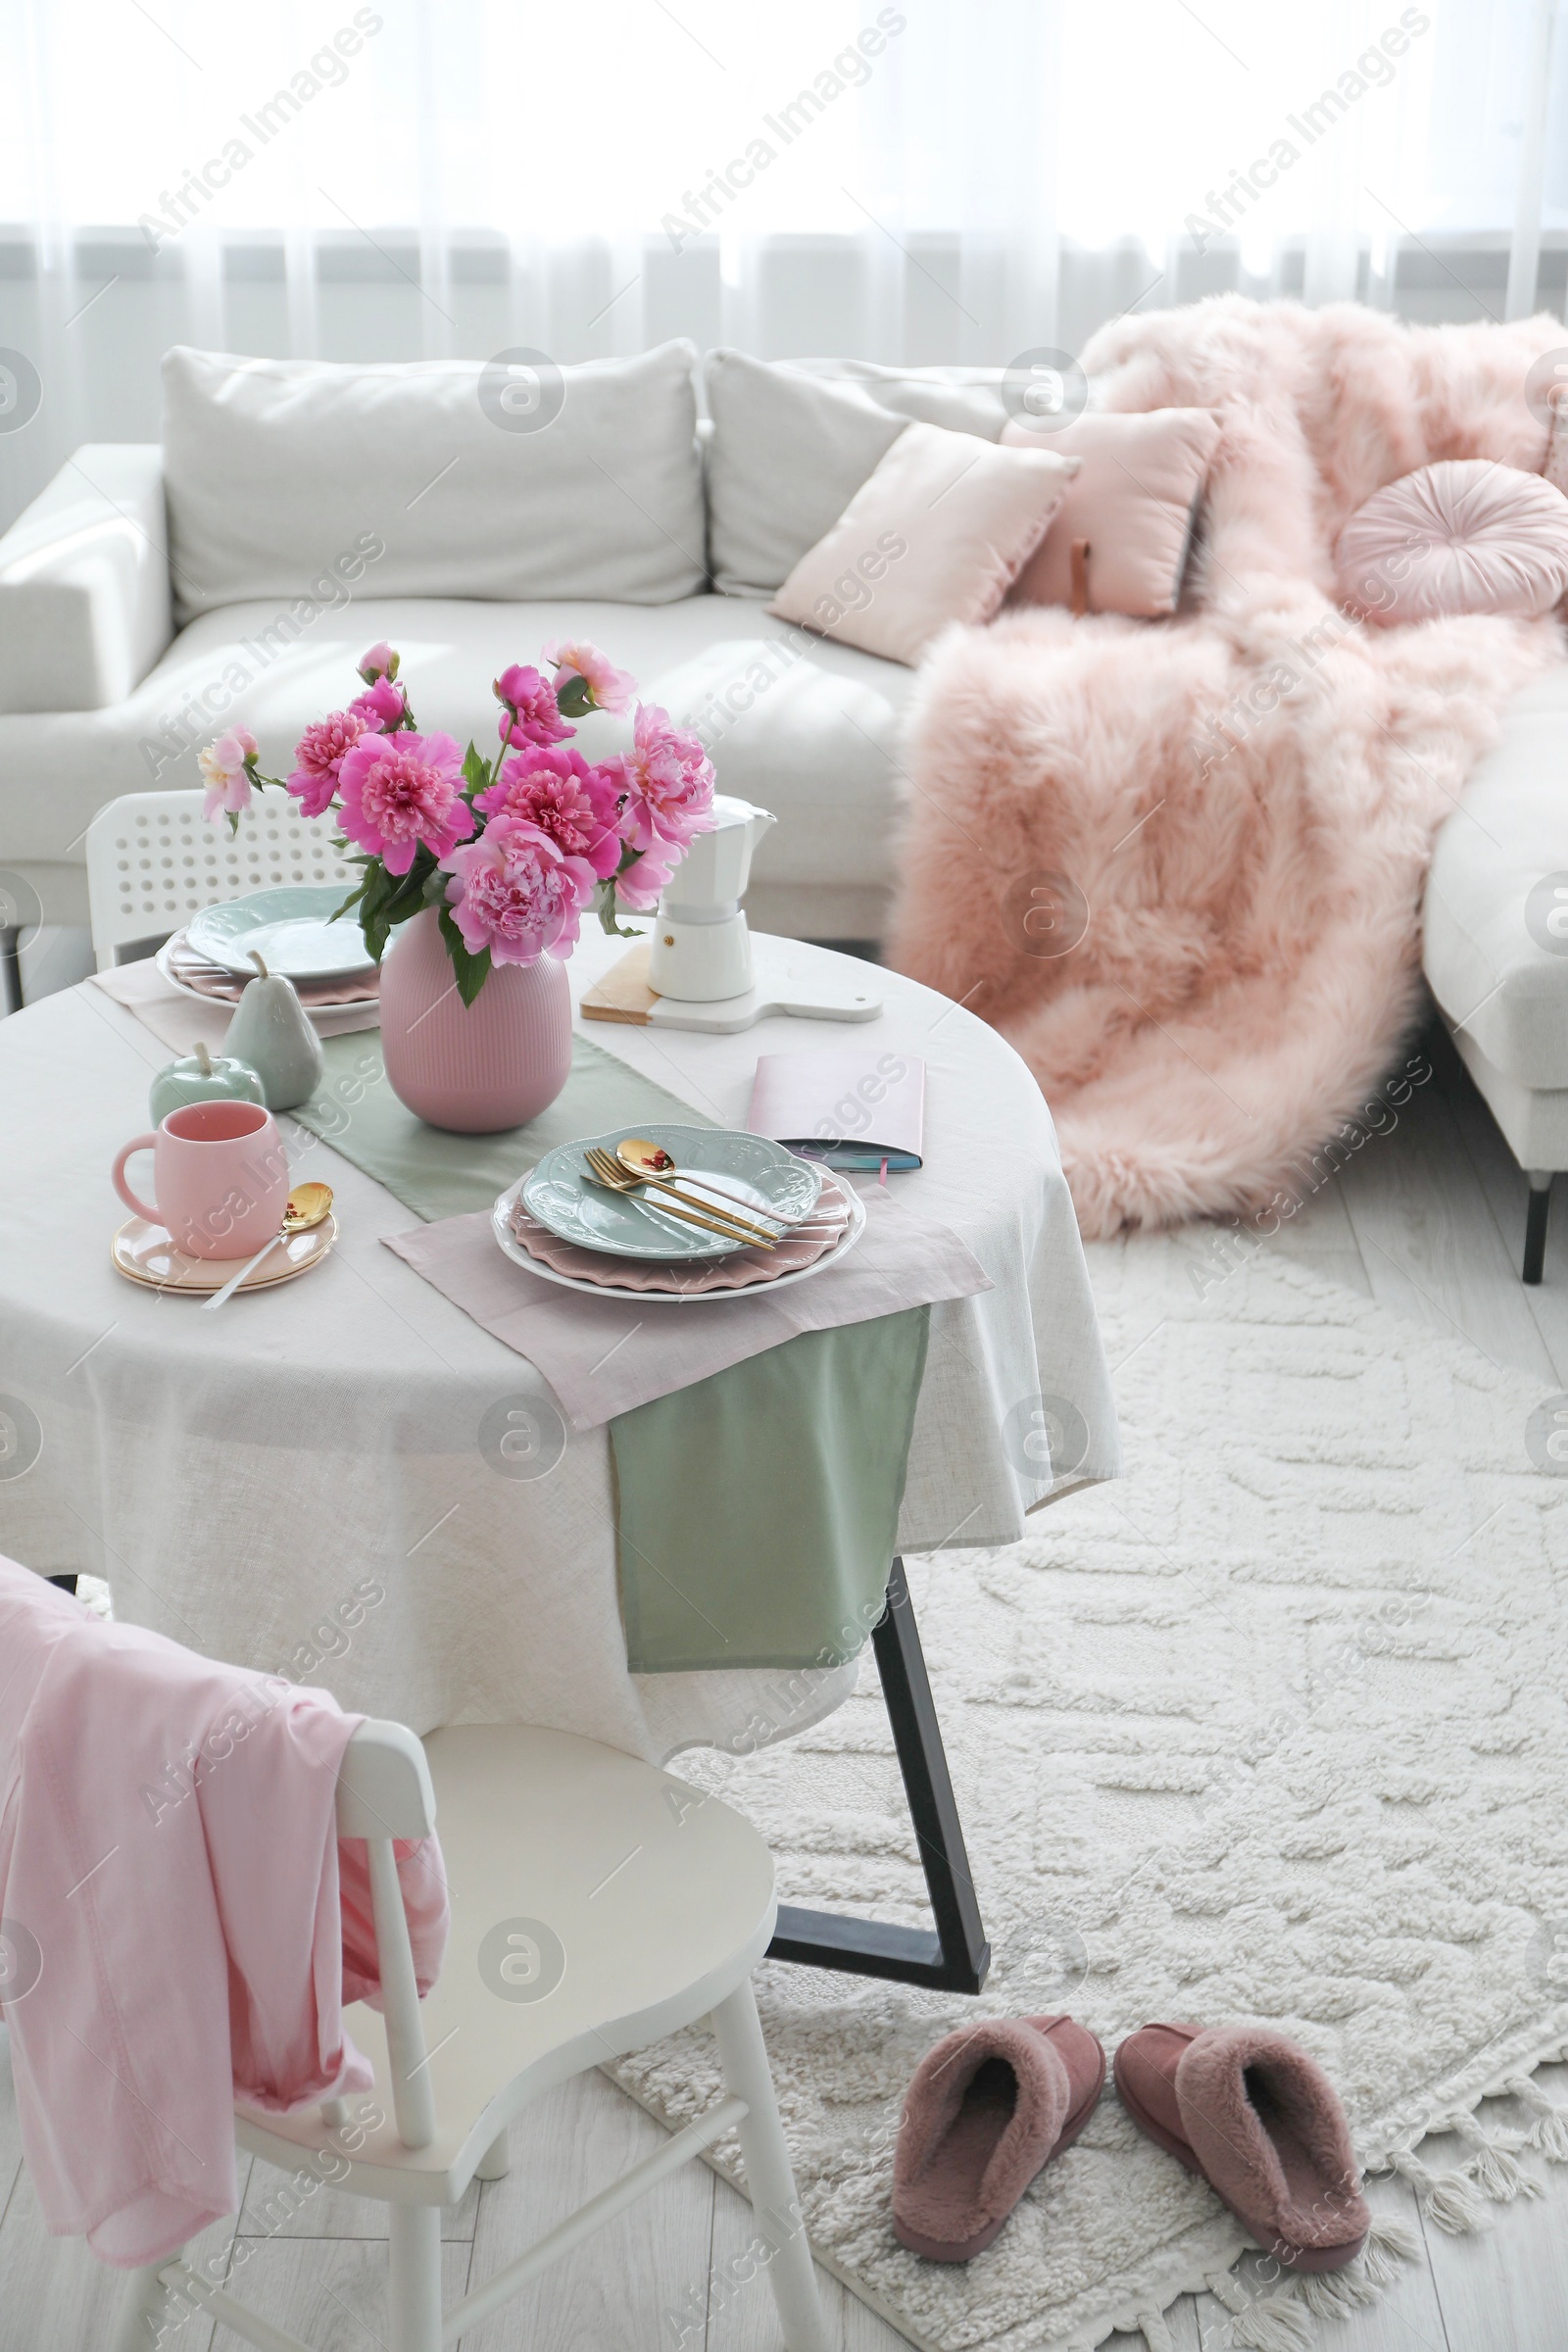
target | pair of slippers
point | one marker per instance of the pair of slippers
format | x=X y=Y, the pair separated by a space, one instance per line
x=1247 y=2109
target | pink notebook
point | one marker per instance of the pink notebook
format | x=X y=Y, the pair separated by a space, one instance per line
x=850 y=1106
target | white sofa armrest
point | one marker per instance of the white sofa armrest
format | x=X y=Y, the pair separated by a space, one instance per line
x=85 y=602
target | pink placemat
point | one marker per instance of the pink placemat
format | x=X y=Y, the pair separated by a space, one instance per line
x=605 y=1356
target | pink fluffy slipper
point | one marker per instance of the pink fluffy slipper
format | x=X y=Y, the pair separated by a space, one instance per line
x=1262 y=2122
x=985 y=2109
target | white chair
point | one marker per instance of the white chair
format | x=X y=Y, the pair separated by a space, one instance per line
x=596 y=1905
x=154 y=860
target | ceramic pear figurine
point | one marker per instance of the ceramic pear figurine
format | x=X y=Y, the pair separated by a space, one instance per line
x=202 y=1077
x=271 y=1031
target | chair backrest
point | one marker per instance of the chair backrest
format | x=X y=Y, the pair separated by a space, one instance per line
x=384 y=1791
x=154 y=860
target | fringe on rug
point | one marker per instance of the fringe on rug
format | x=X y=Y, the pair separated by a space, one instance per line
x=1550 y=2133
x=1285 y=2320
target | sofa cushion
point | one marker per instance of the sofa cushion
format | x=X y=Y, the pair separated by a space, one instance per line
x=805 y=728
x=1133 y=503
x=1465 y=536
x=794 y=440
x=1496 y=929
x=937 y=534
x=278 y=469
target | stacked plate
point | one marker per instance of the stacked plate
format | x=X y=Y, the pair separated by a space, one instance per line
x=145 y=1253
x=563 y=1224
x=291 y=929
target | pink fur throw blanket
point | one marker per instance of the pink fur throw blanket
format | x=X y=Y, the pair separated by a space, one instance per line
x=1179 y=864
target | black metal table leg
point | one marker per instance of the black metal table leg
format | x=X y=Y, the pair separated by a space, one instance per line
x=1536 y=1229
x=11 y=966
x=957 y=1957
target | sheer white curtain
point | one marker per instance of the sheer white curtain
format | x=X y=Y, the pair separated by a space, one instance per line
x=920 y=180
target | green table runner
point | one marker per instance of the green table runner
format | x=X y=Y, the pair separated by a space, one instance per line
x=441 y=1175
x=756 y=1511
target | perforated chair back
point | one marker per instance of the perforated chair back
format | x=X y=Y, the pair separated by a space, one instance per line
x=154 y=860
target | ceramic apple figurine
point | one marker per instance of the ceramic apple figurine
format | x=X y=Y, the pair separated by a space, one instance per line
x=271 y=1031
x=202 y=1077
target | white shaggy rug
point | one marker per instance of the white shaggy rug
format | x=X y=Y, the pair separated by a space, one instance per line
x=1271 y=1729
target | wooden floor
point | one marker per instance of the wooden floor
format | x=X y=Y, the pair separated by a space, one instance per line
x=1428 y=1219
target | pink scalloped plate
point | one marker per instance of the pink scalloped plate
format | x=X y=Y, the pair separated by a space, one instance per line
x=831 y=1231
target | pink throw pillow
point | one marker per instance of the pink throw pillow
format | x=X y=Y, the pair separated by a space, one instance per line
x=1466 y=536
x=936 y=533
x=1132 y=504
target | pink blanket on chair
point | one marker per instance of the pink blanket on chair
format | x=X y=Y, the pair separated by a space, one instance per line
x=180 y=1923
x=1224 y=820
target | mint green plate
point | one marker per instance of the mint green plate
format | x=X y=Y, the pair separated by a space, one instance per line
x=560 y=1192
x=289 y=928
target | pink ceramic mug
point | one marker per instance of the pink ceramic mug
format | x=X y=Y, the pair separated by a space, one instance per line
x=220 y=1177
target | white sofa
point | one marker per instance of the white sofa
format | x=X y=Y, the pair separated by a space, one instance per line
x=298 y=512
x=1496 y=937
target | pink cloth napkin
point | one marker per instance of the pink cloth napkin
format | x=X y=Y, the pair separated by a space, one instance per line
x=177 y=1021
x=605 y=1356
x=181 y=1924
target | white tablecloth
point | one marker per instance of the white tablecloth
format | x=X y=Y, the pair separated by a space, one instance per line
x=300 y=1483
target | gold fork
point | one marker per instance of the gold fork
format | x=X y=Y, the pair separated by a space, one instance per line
x=614 y=1177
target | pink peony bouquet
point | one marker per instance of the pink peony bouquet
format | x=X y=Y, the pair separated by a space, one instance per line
x=510 y=851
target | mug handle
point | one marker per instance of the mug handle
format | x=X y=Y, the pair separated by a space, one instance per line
x=143 y=1143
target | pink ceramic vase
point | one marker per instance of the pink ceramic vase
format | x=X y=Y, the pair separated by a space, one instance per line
x=474 y=1068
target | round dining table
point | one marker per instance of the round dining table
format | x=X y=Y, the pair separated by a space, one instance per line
x=309 y=1481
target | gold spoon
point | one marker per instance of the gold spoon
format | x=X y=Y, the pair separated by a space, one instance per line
x=653 y=1165
x=615 y=1179
x=307 y=1205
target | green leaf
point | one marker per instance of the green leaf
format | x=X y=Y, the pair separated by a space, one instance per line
x=476 y=770
x=375 y=920
x=407 y=896
x=607 y=912
x=574 y=698
x=472 y=972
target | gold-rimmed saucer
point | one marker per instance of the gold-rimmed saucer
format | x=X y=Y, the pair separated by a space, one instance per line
x=144 y=1253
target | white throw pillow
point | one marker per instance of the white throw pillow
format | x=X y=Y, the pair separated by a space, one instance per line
x=793 y=440
x=938 y=534
x=438 y=479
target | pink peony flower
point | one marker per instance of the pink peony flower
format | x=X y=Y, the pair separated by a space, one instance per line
x=515 y=893
x=566 y=799
x=640 y=885
x=318 y=756
x=530 y=714
x=223 y=766
x=608 y=688
x=399 y=790
x=383 y=705
x=379 y=663
x=669 y=782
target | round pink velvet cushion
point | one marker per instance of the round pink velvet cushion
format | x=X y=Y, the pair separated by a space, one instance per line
x=1466 y=536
